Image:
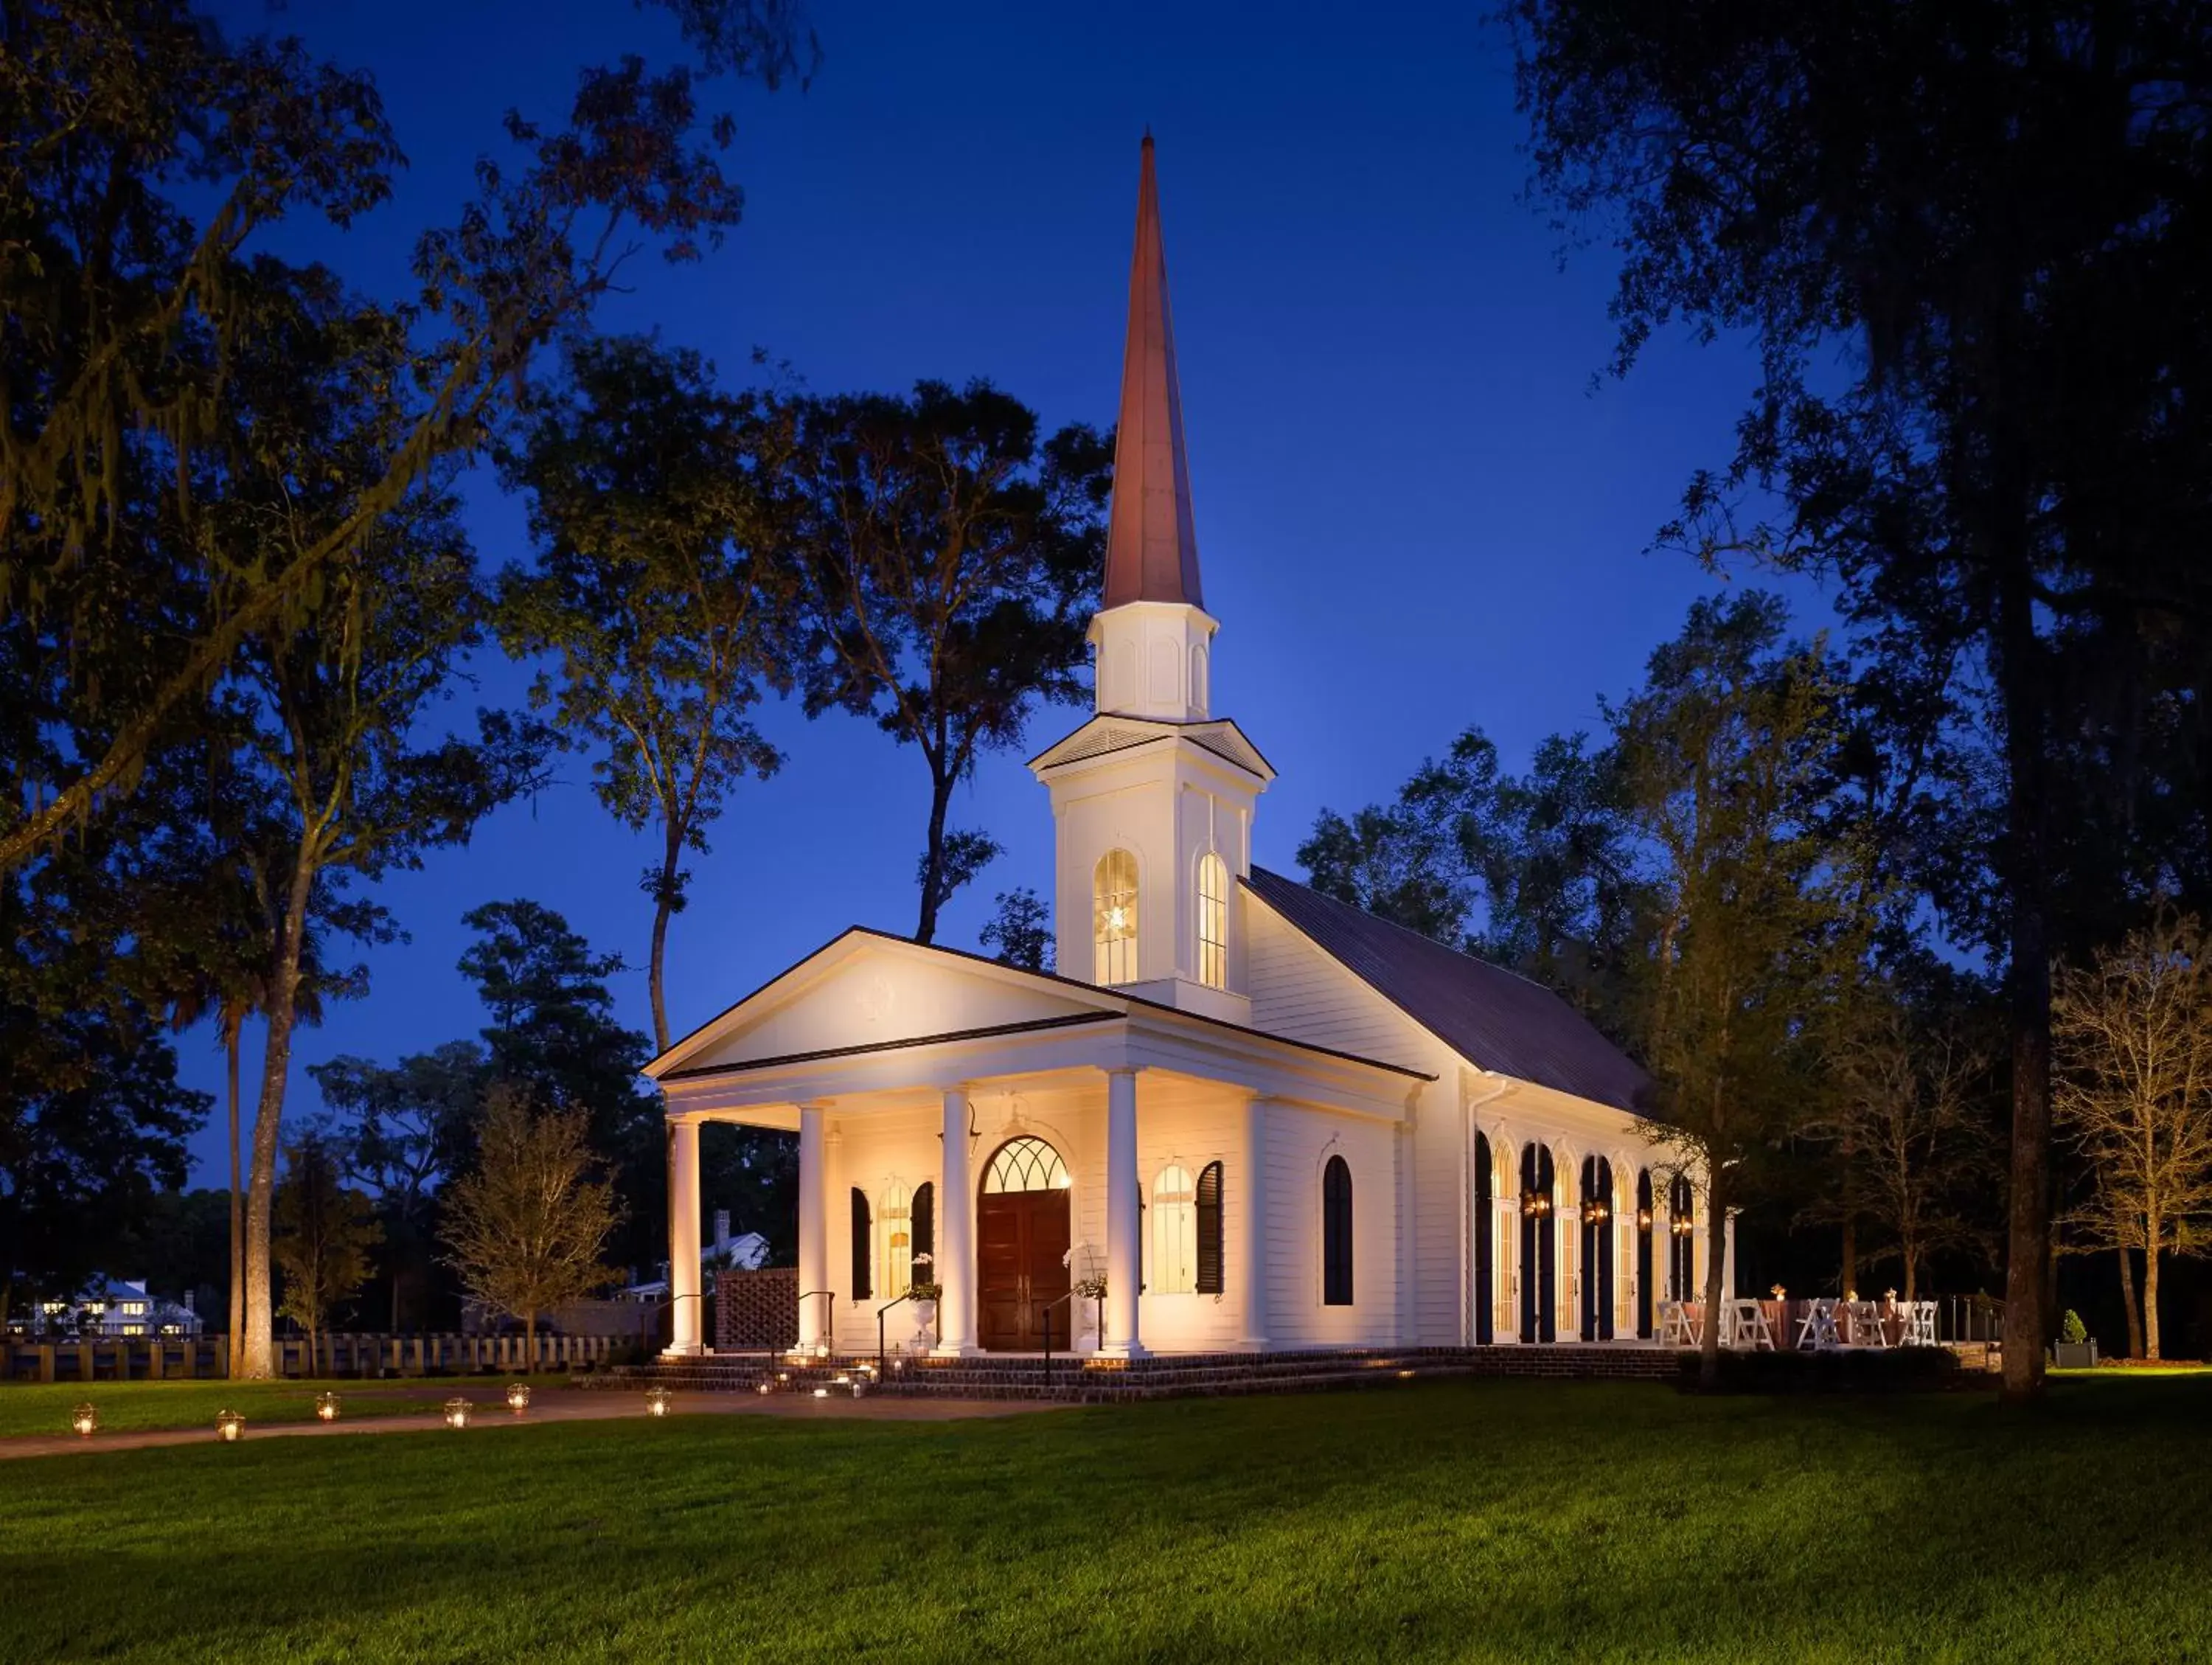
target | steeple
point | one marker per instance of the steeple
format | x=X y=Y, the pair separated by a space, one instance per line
x=1152 y=544
x=1152 y=798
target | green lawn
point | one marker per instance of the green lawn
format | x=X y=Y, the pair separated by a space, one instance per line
x=1448 y=1520
x=43 y=1407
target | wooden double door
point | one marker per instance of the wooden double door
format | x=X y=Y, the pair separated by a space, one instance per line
x=1022 y=1241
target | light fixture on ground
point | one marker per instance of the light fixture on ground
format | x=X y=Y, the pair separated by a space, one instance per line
x=84 y=1421
x=229 y=1427
x=326 y=1407
x=457 y=1413
x=518 y=1397
x=656 y=1402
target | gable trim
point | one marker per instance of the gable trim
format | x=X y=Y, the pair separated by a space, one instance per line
x=989 y=1032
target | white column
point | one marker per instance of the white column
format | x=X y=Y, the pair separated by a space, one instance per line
x=1124 y=1218
x=813 y=1228
x=1252 y=1240
x=954 y=1266
x=1728 y=1259
x=685 y=1305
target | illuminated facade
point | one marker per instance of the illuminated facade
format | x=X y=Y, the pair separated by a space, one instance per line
x=1243 y=1117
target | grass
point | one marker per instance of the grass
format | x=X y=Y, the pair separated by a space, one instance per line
x=1493 y=1520
x=43 y=1407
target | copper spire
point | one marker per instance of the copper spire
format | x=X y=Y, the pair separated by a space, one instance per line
x=1152 y=545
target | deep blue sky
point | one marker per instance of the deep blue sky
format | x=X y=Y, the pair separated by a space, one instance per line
x=1413 y=510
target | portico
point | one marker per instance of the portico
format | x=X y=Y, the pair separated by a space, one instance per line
x=1059 y=1135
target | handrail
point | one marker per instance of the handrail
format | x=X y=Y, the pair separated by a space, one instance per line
x=1049 y=1306
x=829 y=1324
x=880 y=1311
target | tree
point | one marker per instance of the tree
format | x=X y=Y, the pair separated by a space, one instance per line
x=141 y=154
x=323 y=1234
x=1970 y=240
x=645 y=596
x=344 y=751
x=93 y=1119
x=942 y=558
x=2133 y=1039
x=527 y=1228
x=1020 y=931
x=554 y=1039
x=1727 y=753
x=1902 y=1118
x=407 y=1128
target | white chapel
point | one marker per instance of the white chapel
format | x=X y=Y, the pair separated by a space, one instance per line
x=1264 y=1120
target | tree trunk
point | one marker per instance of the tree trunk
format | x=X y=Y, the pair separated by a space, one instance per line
x=2128 y=1302
x=1709 y=1343
x=663 y=904
x=232 y=1024
x=1850 y=1280
x=2028 y=1221
x=933 y=857
x=2155 y=1228
x=276 y=1066
x=529 y=1340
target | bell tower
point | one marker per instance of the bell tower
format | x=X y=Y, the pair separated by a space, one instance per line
x=1152 y=798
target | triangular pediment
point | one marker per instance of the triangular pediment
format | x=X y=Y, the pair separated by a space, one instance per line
x=866 y=990
x=1108 y=732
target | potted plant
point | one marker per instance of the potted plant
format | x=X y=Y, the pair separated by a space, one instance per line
x=925 y=1296
x=2073 y=1350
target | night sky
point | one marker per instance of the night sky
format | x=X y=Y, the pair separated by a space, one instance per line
x=1414 y=510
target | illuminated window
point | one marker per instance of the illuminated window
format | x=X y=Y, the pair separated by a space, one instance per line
x=897 y=1230
x=1026 y=1164
x=134 y=1329
x=1114 y=917
x=134 y=1309
x=1212 y=921
x=1175 y=1233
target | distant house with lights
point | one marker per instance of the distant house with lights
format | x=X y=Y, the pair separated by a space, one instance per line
x=112 y=1307
x=1265 y=1120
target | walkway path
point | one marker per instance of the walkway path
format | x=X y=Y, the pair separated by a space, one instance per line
x=487 y=1410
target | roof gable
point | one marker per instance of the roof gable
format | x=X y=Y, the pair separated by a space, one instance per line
x=1496 y=1019
x=867 y=990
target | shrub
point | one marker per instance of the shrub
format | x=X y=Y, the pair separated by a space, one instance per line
x=2073 y=1332
x=1897 y=1370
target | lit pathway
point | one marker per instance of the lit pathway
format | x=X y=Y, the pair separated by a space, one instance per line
x=488 y=1410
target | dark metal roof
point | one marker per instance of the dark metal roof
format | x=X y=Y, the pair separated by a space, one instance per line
x=1494 y=1019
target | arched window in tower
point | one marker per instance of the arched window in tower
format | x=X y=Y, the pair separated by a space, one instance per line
x=1114 y=917
x=1175 y=1233
x=1212 y=920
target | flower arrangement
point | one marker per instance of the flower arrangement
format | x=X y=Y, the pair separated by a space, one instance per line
x=1779 y=1293
x=1090 y=1288
x=919 y=1291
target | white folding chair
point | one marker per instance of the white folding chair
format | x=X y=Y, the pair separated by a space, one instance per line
x=1865 y=1321
x=1818 y=1327
x=1747 y=1326
x=1919 y=1323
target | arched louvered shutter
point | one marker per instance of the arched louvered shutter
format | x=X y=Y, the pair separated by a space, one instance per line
x=925 y=1236
x=1209 y=1230
x=864 y=1237
x=1336 y=1233
x=1485 y=1251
